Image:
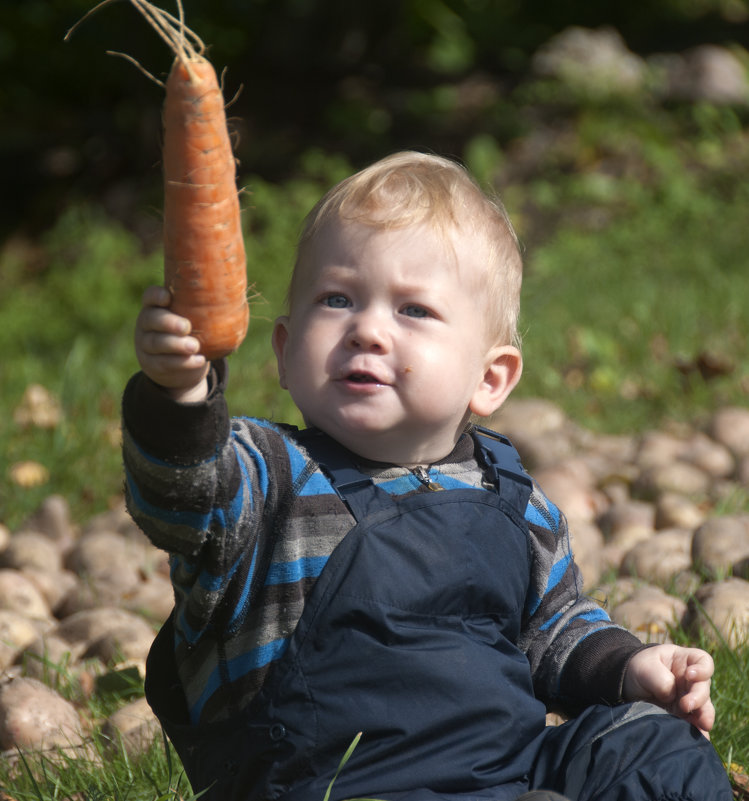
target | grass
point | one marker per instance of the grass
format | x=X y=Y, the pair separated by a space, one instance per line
x=633 y=314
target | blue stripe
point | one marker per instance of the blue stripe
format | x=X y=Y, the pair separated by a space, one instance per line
x=190 y=634
x=194 y=520
x=532 y=603
x=557 y=572
x=316 y=484
x=400 y=485
x=290 y=572
x=260 y=466
x=593 y=615
x=297 y=460
x=551 y=621
x=534 y=517
x=240 y=666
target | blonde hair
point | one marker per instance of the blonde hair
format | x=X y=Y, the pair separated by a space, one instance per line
x=409 y=188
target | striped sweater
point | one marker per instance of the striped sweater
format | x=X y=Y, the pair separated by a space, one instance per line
x=249 y=521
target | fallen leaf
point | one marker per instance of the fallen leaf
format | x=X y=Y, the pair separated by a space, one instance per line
x=29 y=474
x=38 y=407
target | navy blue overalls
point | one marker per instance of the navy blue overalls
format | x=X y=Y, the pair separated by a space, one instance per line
x=409 y=637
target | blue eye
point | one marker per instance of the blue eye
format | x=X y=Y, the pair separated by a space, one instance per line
x=336 y=301
x=412 y=310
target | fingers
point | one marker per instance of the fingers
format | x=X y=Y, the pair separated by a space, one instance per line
x=702 y=716
x=156 y=296
x=700 y=665
x=163 y=345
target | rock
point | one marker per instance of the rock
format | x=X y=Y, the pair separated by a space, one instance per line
x=673 y=510
x=153 y=599
x=742 y=472
x=730 y=426
x=587 y=545
x=612 y=593
x=538 y=429
x=678 y=477
x=134 y=725
x=658 y=449
x=110 y=565
x=19 y=594
x=91 y=624
x=628 y=522
x=705 y=73
x=32 y=716
x=649 y=612
x=722 y=611
x=126 y=641
x=4 y=536
x=31 y=549
x=52 y=519
x=596 y=62
x=16 y=632
x=710 y=456
x=53 y=585
x=571 y=487
x=719 y=543
x=49 y=658
x=529 y=417
x=660 y=558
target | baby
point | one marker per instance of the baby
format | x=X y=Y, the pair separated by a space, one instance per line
x=391 y=569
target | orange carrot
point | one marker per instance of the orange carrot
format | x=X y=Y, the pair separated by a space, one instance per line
x=204 y=258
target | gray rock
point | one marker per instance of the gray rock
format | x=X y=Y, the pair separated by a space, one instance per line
x=660 y=558
x=595 y=62
x=649 y=613
x=719 y=543
x=705 y=73
x=722 y=611
x=730 y=427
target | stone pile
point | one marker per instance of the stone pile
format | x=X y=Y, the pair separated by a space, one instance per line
x=658 y=522
x=654 y=518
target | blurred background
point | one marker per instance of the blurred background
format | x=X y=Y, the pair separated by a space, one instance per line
x=358 y=78
x=616 y=134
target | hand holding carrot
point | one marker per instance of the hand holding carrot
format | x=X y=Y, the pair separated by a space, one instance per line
x=166 y=351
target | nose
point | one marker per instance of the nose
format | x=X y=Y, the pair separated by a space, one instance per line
x=368 y=330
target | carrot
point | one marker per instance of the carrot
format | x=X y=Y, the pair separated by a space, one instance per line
x=204 y=257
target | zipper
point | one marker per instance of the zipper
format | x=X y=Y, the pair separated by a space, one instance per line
x=422 y=473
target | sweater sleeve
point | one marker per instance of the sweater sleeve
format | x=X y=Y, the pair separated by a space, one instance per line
x=202 y=488
x=578 y=657
x=177 y=474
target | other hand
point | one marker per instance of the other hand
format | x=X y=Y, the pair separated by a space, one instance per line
x=675 y=678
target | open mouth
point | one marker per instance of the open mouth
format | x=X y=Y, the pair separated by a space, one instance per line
x=362 y=378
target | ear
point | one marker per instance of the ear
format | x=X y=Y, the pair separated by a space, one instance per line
x=279 y=339
x=503 y=368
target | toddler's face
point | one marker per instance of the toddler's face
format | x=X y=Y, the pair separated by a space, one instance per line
x=385 y=346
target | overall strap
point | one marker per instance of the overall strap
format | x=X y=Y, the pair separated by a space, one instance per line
x=503 y=462
x=355 y=488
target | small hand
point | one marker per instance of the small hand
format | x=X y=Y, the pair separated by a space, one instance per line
x=165 y=350
x=676 y=678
